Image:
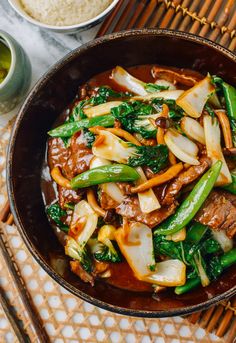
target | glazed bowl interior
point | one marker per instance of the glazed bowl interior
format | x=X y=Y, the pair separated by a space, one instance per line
x=28 y=144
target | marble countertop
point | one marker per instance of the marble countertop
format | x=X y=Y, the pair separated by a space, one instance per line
x=43 y=47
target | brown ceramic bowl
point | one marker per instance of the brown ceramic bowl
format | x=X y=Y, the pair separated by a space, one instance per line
x=46 y=101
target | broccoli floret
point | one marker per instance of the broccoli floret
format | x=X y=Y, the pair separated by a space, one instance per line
x=104 y=252
x=155 y=157
x=78 y=252
x=55 y=212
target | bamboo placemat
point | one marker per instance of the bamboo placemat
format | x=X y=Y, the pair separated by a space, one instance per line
x=67 y=318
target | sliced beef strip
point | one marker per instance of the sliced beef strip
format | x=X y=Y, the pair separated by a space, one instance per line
x=186 y=177
x=219 y=212
x=130 y=209
x=106 y=201
x=80 y=157
x=69 y=196
x=73 y=160
x=58 y=154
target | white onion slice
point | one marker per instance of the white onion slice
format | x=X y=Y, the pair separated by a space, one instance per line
x=100 y=110
x=147 y=200
x=81 y=210
x=169 y=273
x=124 y=79
x=168 y=95
x=214 y=151
x=113 y=148
x=137 y=248
x=225 y=242
x=182 y=147
x=194 y=99
x=193 y=129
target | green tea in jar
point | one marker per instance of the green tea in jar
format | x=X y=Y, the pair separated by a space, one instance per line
x=5 y=61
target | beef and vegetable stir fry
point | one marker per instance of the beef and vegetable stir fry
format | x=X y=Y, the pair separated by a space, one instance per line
x=145 y=171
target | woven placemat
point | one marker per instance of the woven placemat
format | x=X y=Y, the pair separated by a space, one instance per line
x=65 y=317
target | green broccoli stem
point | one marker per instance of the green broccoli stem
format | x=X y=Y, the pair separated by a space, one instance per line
x=226 y=260
x=68 y=129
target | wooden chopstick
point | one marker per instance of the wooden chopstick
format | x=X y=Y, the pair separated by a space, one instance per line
x=146 y=15
x=226 y=320
x=124 y=16
x=13 y=319
x=5 y=212
x=135 y=16
x=25 y=297
x=215 y=318
x=108 y=21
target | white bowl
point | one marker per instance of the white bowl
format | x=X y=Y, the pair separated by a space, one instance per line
x=16 y=5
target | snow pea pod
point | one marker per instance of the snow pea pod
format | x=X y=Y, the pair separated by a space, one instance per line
x=68 y=129
x=230 y=102
x=104 y=174
x=190 y=206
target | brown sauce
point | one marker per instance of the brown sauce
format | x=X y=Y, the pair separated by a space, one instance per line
x=121 y=274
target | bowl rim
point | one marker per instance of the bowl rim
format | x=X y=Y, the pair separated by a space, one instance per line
x=10 y=188
x=84 y=24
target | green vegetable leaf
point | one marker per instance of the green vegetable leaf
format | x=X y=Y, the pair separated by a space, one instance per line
x=89 y=137
x=86 y=261
x=55 y=212
x=155 y=157
x=103 y=252
x=152 y=87
x=134 y=117
x=77 y=111
x=214 y=268
x=106 y=93
x=175 y=112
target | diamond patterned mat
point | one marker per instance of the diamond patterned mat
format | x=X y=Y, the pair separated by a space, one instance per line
x=68 y=319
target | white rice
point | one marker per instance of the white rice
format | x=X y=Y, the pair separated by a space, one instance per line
x=64 y=12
